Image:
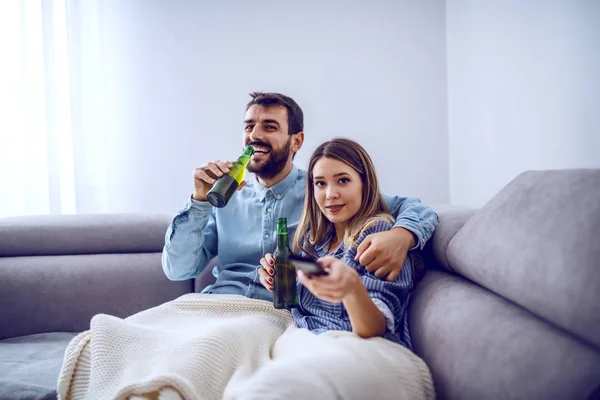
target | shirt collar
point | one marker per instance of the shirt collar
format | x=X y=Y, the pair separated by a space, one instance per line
x=322 y=248
x=279 y=189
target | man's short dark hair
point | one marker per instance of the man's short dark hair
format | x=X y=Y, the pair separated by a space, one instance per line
x=294 y=112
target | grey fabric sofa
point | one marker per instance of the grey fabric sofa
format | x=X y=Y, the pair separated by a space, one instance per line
x=508 y=308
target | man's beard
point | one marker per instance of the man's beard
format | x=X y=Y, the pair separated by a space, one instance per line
x=274 y=164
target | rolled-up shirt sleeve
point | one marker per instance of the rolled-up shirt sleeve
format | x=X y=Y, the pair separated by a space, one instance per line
x=414 y=216
x=190 y=241
x=387 y=313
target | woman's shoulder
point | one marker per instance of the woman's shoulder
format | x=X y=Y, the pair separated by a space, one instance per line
x=378 y=223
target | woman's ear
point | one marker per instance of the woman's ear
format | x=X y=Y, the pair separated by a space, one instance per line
x=297 y=141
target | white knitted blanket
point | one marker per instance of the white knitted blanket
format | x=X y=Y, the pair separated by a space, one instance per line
x=231 y=347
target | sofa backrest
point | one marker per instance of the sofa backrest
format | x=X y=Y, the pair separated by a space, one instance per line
x=45 y=235
x=537 y=243
x=515 y=312
x=57 y=271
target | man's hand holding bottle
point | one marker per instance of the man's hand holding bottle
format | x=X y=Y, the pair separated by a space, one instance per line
x=217 y=181
x=206 y=175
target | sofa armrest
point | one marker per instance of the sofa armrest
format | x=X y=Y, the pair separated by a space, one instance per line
x=106 y=268
x=450 y=220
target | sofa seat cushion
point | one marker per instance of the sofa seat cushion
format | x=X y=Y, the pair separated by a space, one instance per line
x=29 y=365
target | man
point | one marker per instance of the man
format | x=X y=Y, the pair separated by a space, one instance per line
x=243 y=231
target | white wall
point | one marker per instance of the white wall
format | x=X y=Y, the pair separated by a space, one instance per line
x=178 y=74
x=523 y=91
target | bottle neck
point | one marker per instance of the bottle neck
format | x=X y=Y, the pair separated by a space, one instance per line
x=282 y=240
x=244 y=159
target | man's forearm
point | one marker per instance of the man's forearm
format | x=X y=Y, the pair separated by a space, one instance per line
x=415 y=217
x=406 y=236
x=186 y=253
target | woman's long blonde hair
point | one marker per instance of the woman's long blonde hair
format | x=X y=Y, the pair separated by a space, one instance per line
x=372 y=208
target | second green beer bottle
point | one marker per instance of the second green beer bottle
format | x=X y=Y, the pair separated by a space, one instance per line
x=284 y=287
x=226 y=185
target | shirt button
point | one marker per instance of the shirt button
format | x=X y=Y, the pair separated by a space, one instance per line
x=266 y=235
x=278 y=196
x=269 y=209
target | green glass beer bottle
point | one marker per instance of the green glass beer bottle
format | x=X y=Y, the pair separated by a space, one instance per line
x=284 y=286
x=226 y=185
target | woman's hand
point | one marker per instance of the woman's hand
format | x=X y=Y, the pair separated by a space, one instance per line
x=343 y=284
x=266 y=271
x=341 y=281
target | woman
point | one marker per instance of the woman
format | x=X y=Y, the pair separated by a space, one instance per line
x=343 y=205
